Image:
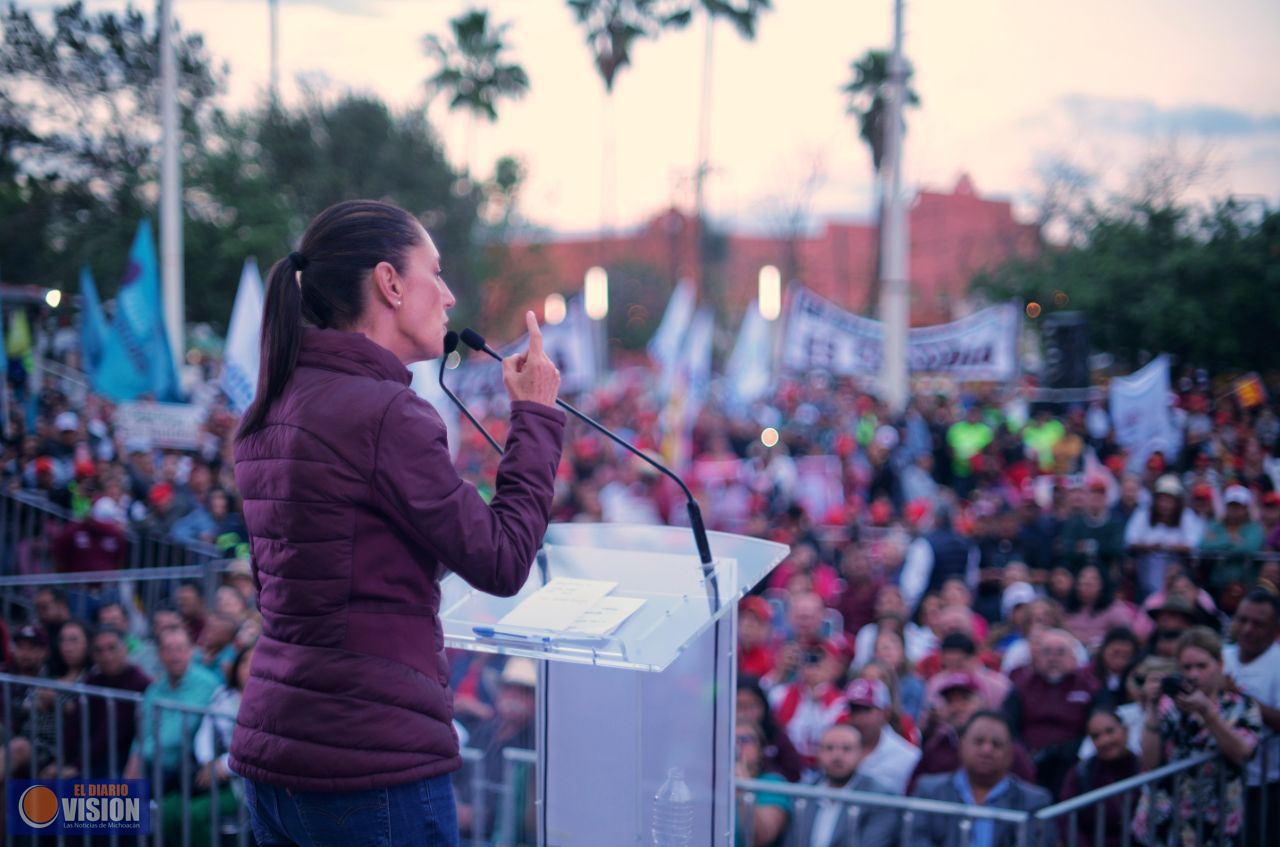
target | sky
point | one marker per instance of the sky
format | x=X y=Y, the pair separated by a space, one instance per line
x=1005 y=85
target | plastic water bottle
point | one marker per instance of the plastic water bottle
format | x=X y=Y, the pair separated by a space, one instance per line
x=673 y=812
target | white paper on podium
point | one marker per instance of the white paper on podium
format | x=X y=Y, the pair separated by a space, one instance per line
x=605 y=616
x=558 y=604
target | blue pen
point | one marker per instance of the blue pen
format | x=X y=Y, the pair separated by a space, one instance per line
x=490 y=632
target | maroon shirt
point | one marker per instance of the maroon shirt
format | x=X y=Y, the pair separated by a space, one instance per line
x=355 y=512
x=1044 y=714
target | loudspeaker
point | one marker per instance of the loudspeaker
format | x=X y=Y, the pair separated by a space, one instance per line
x=1065 y=338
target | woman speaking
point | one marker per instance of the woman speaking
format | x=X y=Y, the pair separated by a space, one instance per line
x=355 y=512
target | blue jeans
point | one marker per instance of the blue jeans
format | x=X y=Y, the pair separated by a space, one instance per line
x=416 y=814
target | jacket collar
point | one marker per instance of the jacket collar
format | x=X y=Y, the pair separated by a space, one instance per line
x=350 y=353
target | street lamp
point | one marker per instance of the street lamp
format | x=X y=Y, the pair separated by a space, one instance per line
x=596 y=293
x=553 y=309
x=769 y=297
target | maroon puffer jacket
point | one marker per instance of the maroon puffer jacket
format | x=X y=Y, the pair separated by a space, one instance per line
x=354 y=512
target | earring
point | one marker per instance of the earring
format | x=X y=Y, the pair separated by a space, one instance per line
x=399 y=303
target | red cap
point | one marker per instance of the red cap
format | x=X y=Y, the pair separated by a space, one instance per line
x=917 y=510
x=44 y=464
x=957 y=679
x=1202 y=492
x=86 y=469
x=881 y=512
x=757 y=606
x=1271 y=498
x=1097 y=483
x=161 y=492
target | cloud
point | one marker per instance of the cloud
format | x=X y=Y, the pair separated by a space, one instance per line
x=1144 y=117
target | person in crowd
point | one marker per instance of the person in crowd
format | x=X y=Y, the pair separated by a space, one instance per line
x=983 y=779
x=217 y=650
x=1133 y=713
x=960 y=698
x=825 y=823
x=29 y=657
x=231 y=603
x=1203 y=717
x=892 y=653
x=183 y=682
x=857 y=602
x=1049 y=705
x=886 y=753
x=1094 y=610
x=933 y=558
x=1179 y=583
x=1172 y=618
x=1269 y=517
x=1113 y=762
x=240 y=577
x=960 y=655
x=1164 y=535
x=770 y=813
x=1111 y=665
x=52 y=611
x=756 y=640
x=112 y=669
x=1096 y=535
x=190 y=602
x=56 y=712
x=900 y=720
x=967 y=439
x=780 y=755
x=1042 y=614
x=1252 y=667
x=891 y=612
x=810 y=704
x=1229 y=546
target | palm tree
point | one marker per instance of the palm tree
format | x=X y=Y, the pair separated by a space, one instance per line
x=473 y=70
x=866 y=93
x=612 y=28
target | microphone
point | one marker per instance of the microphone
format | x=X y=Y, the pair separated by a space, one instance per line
x=451 y=344
x=476 y=341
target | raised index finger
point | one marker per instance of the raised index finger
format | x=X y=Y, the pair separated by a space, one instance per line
x=535 y=334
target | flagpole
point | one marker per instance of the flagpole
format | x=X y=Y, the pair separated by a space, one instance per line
x=893 y=376
x=170 y=191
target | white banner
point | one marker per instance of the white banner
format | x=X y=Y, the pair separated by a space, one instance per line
x=175 y=426
x=668 y=339
x=571 y=344
x=822 y=336
x=1140 y=413
x=749 y=372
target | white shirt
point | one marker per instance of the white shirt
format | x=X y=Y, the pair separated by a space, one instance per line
x=1260 y=679
x=892 y=761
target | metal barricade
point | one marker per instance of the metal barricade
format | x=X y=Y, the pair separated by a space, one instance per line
x=854 y=804
x=30 y=524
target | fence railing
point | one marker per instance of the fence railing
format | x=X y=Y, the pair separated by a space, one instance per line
x=30 y=526
x=1059 y=824
x=54 y=732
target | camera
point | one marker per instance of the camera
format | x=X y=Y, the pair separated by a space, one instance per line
x=1174 y=684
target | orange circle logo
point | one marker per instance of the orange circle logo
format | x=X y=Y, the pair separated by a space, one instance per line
x=38 y=806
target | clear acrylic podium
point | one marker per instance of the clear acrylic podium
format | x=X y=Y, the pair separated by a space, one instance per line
x=617 y=713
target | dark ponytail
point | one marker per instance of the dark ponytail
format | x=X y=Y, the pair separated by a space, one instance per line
x=324 y=284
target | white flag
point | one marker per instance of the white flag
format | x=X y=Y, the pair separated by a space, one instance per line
x=244 y=346
x=671 y=334
x=750 y=369
x=1140 y=413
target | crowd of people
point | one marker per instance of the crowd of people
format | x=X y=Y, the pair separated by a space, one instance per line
x=985 y=600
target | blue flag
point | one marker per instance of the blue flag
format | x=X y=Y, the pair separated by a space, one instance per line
x=136 y=358
x=93 y=324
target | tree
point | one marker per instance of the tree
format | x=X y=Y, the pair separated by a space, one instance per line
x=473 y=71
x=271 y=170
x=1163 y=278
x=79 y=130
x=866 y=100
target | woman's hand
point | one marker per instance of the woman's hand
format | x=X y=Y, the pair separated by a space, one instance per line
x=1151 y=694
x=531 y=375
x=1196 y=703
